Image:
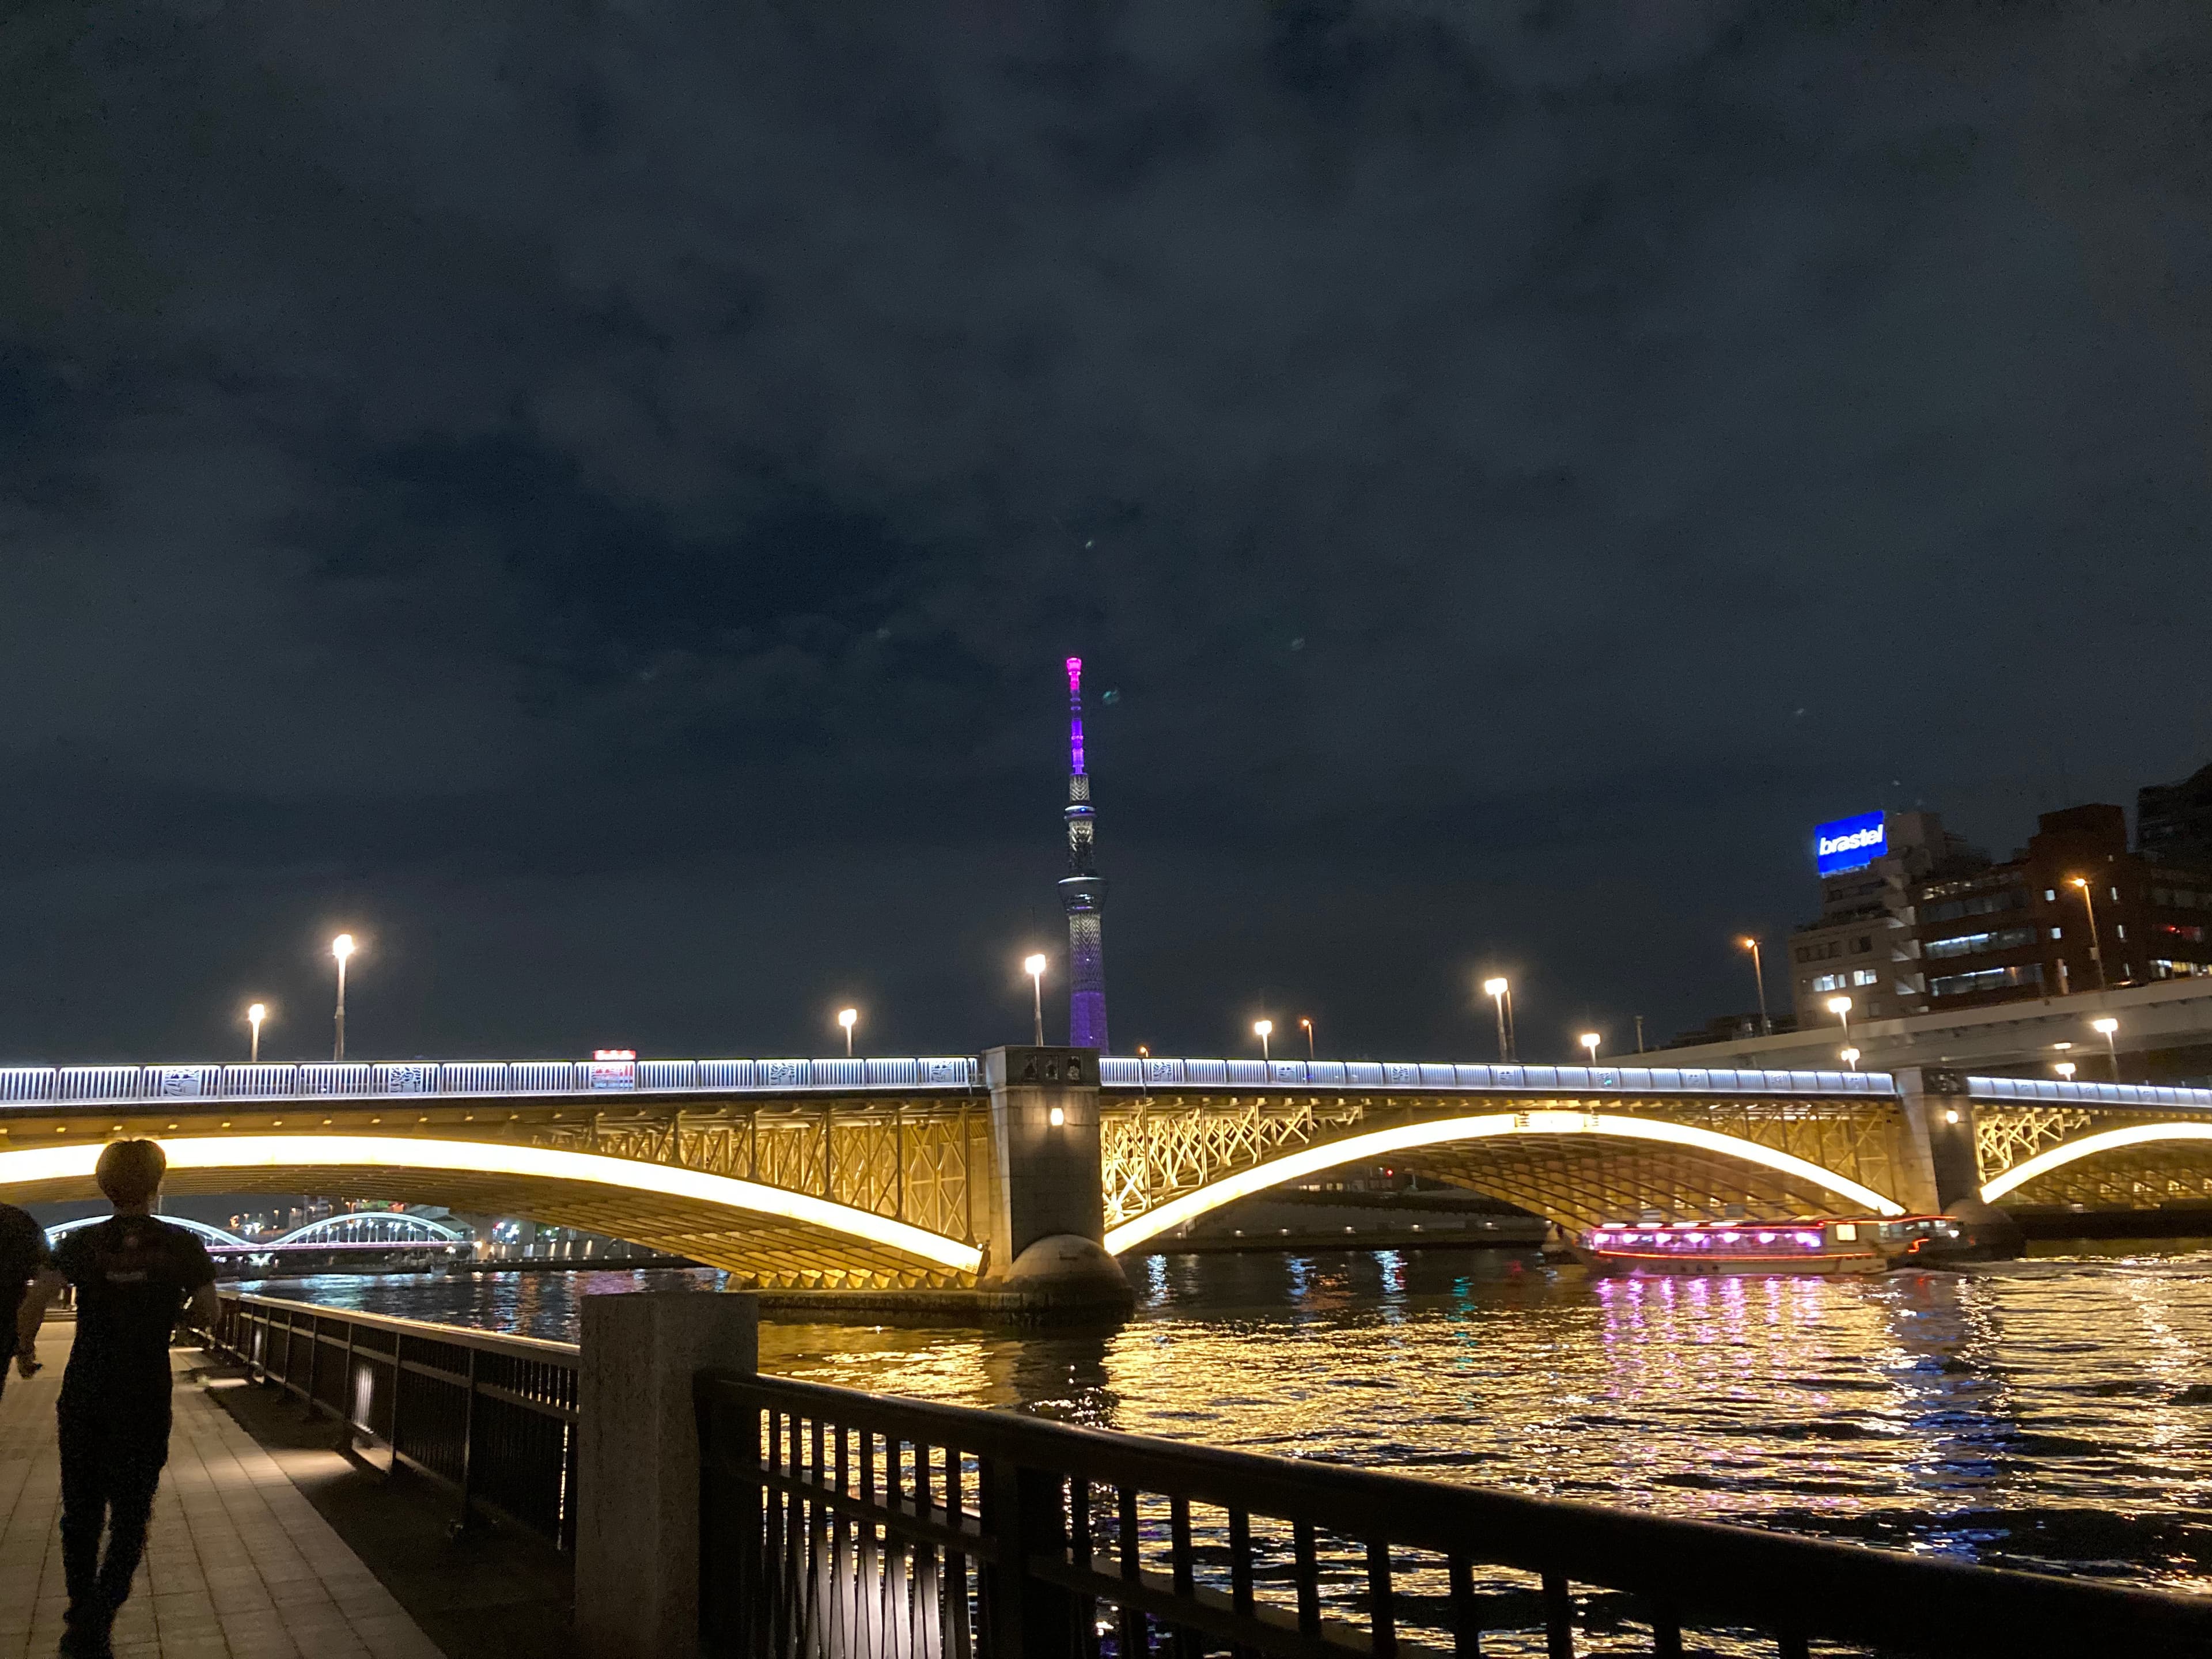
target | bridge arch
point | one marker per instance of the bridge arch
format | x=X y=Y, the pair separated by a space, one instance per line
x=1443 y=1144
x=769 y=1233
x=208 y=1231
x=431 y=1230
x=2154 y=1137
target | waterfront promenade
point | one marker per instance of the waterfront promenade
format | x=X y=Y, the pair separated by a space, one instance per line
x=240 y=1566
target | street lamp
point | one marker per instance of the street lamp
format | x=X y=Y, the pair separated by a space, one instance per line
x=1759 y=977
x=849 y=1018
x=254 y=1015
x=341 y=947
x=2089 y=904
x=2108 y=1029
x=1852 y=1058
x=1033 y=967
x=2065 y=1070
x=1502 y=993
x=1589 y=1040
x=1306 y=1025
x=1263 y=1028
x=1841 y=1008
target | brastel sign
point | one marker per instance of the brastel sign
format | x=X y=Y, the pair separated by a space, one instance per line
x=1849 y=843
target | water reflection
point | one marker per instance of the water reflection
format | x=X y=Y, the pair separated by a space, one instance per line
x=2058 y=1412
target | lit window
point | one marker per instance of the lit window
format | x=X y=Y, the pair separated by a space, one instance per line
x=2058 y=932
x=1865 y=976
x=2051 y=895
x=2122 y=928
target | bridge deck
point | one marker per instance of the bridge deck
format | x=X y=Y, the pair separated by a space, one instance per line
x=240 y=1566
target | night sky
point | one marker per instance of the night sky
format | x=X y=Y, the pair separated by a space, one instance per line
x=594 y=498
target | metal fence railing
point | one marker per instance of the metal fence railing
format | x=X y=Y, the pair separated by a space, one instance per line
x=849 y=1526
x=493 y=1417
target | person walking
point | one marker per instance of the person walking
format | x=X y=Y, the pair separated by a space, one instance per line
x=23 y=1256
x=134 y=1277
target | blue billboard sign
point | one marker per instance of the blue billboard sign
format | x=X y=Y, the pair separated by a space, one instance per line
x=1849 y=843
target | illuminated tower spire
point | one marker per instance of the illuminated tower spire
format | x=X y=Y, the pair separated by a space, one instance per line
x=1083 y=892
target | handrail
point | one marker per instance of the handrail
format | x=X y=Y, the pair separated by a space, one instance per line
x=492 y=1416
x=1058 y=1521
x=274 y=1083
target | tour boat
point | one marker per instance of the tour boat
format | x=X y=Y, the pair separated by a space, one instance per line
x=1854 y=1244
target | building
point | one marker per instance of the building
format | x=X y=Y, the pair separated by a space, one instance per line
x=2073 y=910
x=1082 y=891
x=2173 y=821
x=1863 y=945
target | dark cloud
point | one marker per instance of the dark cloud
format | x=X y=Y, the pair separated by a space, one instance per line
x=596 y=494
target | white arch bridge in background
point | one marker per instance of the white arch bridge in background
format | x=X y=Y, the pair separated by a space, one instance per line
x=330 y=1229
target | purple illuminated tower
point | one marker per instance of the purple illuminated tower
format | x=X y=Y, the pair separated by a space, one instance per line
x=1083 y=892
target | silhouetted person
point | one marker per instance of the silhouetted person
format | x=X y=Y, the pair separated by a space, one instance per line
x=22 y=1254
x=134 y=1276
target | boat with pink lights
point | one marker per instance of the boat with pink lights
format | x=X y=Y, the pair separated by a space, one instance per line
x=1851 y=1244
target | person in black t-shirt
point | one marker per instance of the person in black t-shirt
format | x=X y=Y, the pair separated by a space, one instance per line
x=134 y=1276
x=22 y=1254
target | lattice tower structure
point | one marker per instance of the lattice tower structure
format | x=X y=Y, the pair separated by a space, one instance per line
x=1083 y=889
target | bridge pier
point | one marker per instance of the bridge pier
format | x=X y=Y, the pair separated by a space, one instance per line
x=1940 y=1155
x=1045 y=1257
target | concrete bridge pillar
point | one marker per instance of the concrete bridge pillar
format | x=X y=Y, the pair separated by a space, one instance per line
x=1045 y=1256
x=1941 y=1168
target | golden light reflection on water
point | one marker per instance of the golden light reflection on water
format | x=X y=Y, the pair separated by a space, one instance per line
x=2052 y=1413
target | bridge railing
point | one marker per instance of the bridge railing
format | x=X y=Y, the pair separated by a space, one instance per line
x=492 y=1416
x=123 y=1085
x=1122 y=1074
x=845 y=1523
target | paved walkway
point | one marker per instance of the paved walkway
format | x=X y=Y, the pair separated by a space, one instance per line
x=239 y=1565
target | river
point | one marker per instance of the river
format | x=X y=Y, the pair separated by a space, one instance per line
x=2054 y=1414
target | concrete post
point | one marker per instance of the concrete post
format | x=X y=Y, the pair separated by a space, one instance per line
x=1047 y=1206
x=1939 y=1117
x=637 y=1463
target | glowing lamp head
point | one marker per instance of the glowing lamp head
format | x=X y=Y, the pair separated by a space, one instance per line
x=1839 y=1005
x=1589 y=1040
x=1263 y=1028
x=257 y=1012
x=1057 y=1117
x=1305 y=1025
x=1747 y=942
x=1033 y=966
x=1851 y=1056
x=342 y=946
x=2103 y=1027
x=2082 y=882
x=2065 y=1068
x=849 y=1018
x=1493 y=987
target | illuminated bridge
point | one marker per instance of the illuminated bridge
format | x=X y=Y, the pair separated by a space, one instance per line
x=944 y=1172
x=385 y=1231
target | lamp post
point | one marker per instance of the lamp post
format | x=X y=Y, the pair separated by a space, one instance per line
x=1306 y=1025
x=1033 y=967
x=849 y=1018
x=1759 y=978
x=1263 y=1028
x=254 y=1015
x=2109 y=1028
x=2089 y=904
x=1499 y=992
x=1590 y=1041
x=1852 y=1058
x=1841 y=1008
x=341 y=947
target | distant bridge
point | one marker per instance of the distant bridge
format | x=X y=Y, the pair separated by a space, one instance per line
x=939 y=1171
x=355 y=1229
